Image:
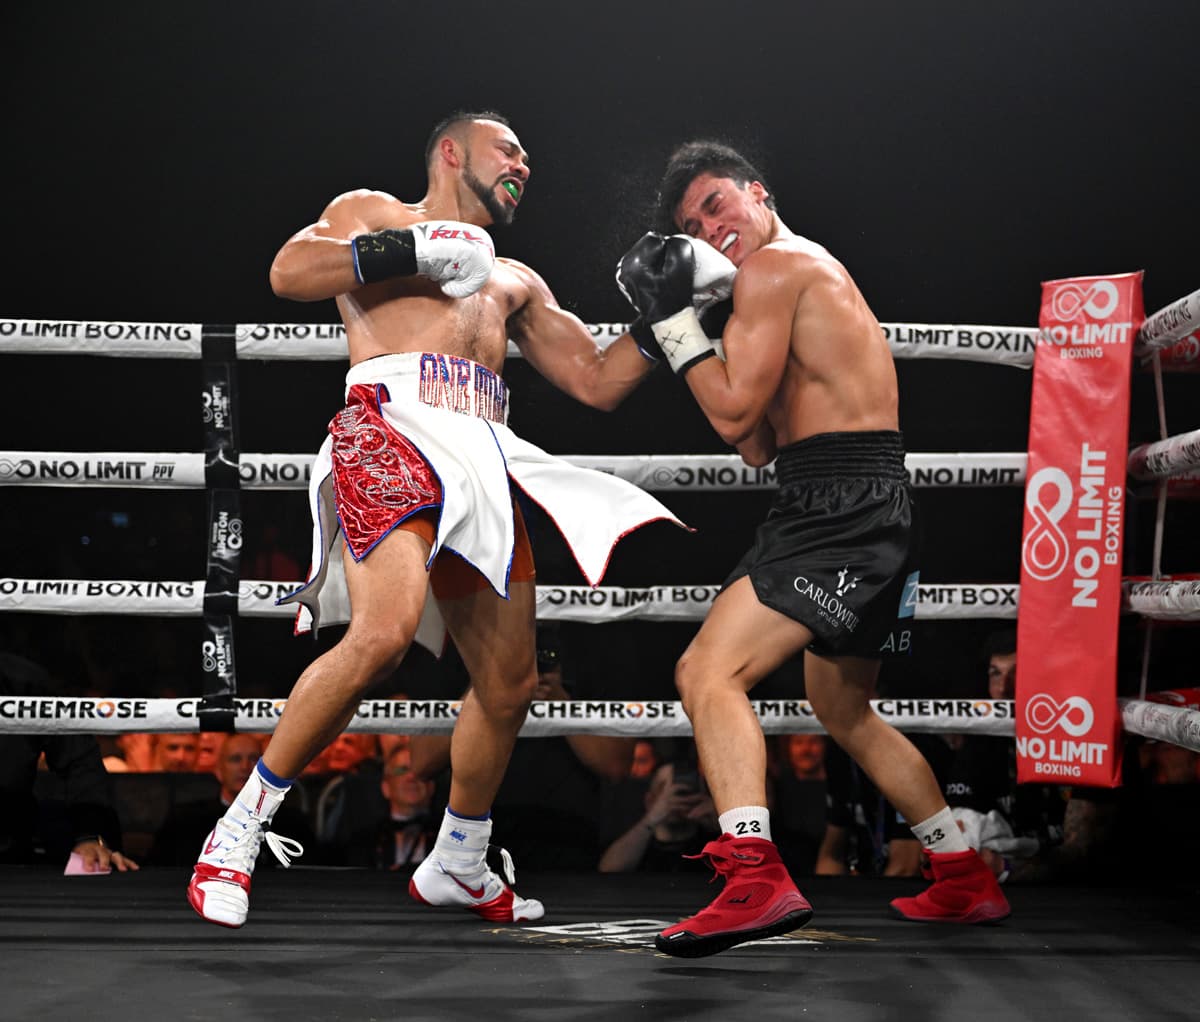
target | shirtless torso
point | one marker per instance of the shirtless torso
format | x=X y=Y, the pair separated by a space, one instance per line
x=805 y=354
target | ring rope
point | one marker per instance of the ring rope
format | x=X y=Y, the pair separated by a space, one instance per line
x=655 y=472
x=1164 y=459
x=1172 y=327
x=641 y=718
x=1169 y=326
x=1006 y=345
x=1156 y=599
x=1177 y=457
x=629 y=718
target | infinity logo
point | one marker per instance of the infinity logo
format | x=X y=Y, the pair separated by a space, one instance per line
x=1099 y=301
x=1044 y=551
x=1043 y=714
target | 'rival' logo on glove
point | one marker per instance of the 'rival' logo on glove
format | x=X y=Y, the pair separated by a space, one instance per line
x=456 y=232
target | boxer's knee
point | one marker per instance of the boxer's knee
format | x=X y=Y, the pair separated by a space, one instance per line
x=505 y=698
x=376 y=651
x=841 y=715
x=695 y=678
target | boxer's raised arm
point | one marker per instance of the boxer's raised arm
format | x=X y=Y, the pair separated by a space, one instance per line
x=560 y=347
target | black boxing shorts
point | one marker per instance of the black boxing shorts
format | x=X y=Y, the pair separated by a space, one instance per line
x=837 y=552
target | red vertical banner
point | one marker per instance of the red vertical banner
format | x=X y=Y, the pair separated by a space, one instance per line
x=1068 y=724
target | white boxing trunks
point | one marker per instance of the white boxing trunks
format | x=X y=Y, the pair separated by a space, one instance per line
x=427 y=431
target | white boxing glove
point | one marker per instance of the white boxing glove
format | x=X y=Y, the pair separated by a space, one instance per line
x=712 y=280
x=455 y=255
x=459 y=257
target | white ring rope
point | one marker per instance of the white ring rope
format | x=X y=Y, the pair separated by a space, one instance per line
x=1173 y=600
x=1164 y=601
x=1006 y=345
x=1175 y=724
x=629 y=718
x=1175 y=457
x=658 y=472
x=1171 y=324
x=1170 y=458
x=641 y=718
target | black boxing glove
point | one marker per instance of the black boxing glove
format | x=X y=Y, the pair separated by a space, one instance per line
x=657 y=276
x=712 y=322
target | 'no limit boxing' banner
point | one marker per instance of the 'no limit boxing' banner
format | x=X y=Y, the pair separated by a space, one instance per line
x=1068 y=724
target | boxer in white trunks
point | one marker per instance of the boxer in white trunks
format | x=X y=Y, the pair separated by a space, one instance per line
x=418 y=468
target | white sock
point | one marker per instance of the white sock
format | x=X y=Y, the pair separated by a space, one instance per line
x=747 y=821
x=462 y=843
x=257 y=800
x=940 y=833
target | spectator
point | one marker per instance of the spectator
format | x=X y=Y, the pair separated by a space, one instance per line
x=207 y=749
x=679 y=820
x=349 y=750
x=187 y=825
x=111 y=754
x=645 y=760
x=1005 y=822
x=798 y=805
x=405 y=836
x=350 y=803
x=864 y=835
x=175 y=754
x=137 y=749
x=33 y=832
x=805 y=756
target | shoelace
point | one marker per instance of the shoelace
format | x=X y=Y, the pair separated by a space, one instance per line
x=507 y=869
x=243 y=850
x=722 y=863
x=283 y=848
x=506 y=864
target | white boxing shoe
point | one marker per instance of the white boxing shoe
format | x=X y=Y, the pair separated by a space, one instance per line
x=481 y=890
x=220 y=886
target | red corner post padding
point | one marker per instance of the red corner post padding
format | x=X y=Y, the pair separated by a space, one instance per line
x=1068 y=725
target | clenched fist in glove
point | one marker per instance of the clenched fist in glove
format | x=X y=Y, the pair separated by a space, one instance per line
x=668 y=279
x=459 y=257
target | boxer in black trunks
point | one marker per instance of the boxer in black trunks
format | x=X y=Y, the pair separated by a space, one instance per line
x=805 y=377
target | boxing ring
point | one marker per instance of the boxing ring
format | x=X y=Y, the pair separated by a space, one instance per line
x=350 y=944
x=327 y=944
x=1168 y=340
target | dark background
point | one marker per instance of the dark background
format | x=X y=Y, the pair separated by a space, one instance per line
x=952 y=156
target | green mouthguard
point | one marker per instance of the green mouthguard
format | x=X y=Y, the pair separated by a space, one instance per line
x=511 y=188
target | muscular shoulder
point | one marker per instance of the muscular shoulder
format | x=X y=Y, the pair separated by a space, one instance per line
x=792 y=260
x=535 y=288
x=371 y=208
x=790 y=267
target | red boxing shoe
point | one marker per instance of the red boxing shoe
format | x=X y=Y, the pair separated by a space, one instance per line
x=964 y=890
x=759 y=900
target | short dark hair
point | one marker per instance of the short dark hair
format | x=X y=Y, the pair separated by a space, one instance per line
x=692 y=159
x=1000 y=643
x=451 y=121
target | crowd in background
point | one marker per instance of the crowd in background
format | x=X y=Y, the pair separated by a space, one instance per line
x=614 y=804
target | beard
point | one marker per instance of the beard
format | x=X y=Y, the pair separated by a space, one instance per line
x=501 y=214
